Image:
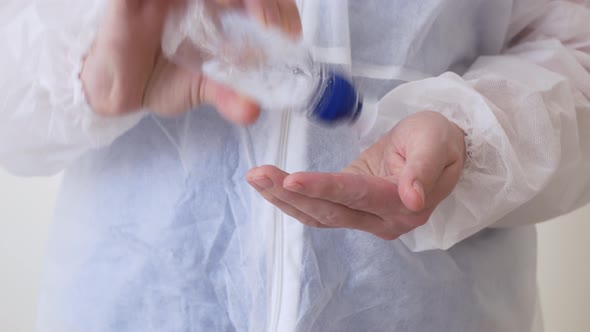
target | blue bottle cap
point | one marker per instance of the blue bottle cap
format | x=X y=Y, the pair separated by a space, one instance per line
x=339 y=102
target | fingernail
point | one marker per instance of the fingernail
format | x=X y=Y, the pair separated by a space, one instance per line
x=420 y=190
x=264 y=182
x=294 y=186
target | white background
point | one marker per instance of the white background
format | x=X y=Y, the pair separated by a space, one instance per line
x=25 y=213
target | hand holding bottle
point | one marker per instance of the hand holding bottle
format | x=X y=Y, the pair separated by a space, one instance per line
x=125 y=70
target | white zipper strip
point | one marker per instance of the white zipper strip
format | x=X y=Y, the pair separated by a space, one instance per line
x=292 y=237
x=278 y=236
x=277 y=272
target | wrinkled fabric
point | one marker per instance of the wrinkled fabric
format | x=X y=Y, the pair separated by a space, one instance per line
x=156 y=229
x=526 y=114
x=46 y=122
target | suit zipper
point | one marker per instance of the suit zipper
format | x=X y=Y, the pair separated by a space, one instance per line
x=278 y=263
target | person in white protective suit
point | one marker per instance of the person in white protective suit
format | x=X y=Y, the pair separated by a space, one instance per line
x=481 y=129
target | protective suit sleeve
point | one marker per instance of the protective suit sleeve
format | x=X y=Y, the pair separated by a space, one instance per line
x=526 y=114
x=45 y=121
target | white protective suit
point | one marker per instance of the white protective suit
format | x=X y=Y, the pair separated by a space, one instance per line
x=157 y=230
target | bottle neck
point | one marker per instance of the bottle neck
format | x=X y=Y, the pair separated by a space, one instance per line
x=336 y=99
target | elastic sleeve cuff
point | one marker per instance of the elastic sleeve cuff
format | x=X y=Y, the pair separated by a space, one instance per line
x=45 y=120
x=496 y=178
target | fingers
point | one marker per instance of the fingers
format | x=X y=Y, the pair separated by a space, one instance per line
x=360 y=192
x=290 y=18
x=418 y=177
x=270 y=179
x=272 y=13
x=147 y=16
x=231 y=105
x=118 y=66
x=429 y=156
x=282 y=14
x=418 y=198
x=365 y=193
x=259 y=184
x=425 y=159
x=172 y=91
x=270 y=182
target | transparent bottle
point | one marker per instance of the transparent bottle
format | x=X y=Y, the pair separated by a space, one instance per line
x=265 y=64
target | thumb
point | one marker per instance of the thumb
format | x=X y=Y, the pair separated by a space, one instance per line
x=231 y=105
x=419 y=176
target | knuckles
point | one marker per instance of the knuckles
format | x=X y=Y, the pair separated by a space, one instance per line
x=106 y=94
x=115 y=104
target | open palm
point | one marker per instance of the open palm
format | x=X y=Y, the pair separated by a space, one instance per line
x=389 y=190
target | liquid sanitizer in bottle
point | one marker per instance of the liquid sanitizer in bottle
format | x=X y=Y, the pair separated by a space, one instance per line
x=276 y=71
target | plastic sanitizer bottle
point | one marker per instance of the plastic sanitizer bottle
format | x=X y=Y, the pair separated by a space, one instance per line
x=265 y=64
